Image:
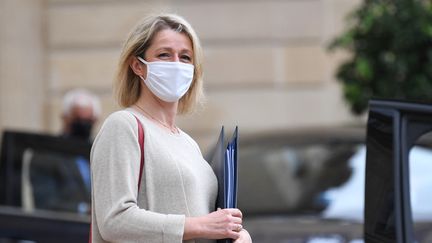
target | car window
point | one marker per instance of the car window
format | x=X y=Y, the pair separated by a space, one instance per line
x=291 y=179
x=347 y=200
x=420 y=169
x=323 y=181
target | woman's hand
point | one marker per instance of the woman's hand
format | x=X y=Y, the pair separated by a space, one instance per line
x=244 y=237
x=220 y=224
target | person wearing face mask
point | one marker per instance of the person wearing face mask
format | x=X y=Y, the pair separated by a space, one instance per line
x=81 y=110
x=57 y=180
x=150 y=182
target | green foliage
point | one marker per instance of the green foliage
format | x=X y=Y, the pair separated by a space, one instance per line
x=391 y=46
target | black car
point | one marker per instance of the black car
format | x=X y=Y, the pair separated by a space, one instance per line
x=342 y=185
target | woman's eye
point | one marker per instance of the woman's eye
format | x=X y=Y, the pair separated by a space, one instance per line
x=186 y=58
x=163 y=55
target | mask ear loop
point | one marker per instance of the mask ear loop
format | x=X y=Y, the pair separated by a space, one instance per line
x=143 y=62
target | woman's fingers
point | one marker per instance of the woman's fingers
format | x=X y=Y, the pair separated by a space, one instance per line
x=234 y=212
x=237 y=220
x=233 y=235
x=223 y=223
x=237 y=227
x=244 y=237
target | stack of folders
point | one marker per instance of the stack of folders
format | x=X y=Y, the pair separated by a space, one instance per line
x=224 y=164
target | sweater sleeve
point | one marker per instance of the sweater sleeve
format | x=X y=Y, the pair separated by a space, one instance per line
x=115 y=164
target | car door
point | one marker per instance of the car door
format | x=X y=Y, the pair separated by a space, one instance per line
x=392 y=130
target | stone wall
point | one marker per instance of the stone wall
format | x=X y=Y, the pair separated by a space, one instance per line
x=266 y=64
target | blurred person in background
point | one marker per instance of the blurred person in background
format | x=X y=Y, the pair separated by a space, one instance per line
x=169 y=196
x=81 y=110
x=60 y=182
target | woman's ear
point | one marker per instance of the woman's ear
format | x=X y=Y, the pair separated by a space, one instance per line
x=138 y=67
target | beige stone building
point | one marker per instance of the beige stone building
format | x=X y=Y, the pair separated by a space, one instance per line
x=266 y=66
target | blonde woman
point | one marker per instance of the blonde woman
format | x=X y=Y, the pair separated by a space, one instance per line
x=172 y=199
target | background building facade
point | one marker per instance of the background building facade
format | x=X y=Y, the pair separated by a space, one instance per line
x=266 y=63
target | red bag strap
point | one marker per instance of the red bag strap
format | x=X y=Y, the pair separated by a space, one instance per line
x=141 y=144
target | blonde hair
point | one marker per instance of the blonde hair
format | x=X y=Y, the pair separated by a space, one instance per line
x=127 y=84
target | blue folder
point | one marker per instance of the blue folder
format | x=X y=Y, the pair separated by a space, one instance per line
x=224 y=164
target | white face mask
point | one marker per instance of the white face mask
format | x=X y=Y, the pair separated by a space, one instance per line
x=169 y=81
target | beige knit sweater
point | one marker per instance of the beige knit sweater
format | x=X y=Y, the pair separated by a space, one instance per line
x=176 y=182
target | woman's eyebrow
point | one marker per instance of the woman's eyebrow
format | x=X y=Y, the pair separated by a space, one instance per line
x=164 y=49
x=170 y=49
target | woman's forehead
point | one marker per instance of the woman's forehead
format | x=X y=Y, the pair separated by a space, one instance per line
x=169 y=38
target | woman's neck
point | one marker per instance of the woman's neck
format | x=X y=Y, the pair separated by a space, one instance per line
x=164 y=112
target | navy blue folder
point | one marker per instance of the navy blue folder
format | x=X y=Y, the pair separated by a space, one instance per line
x=224 y=164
